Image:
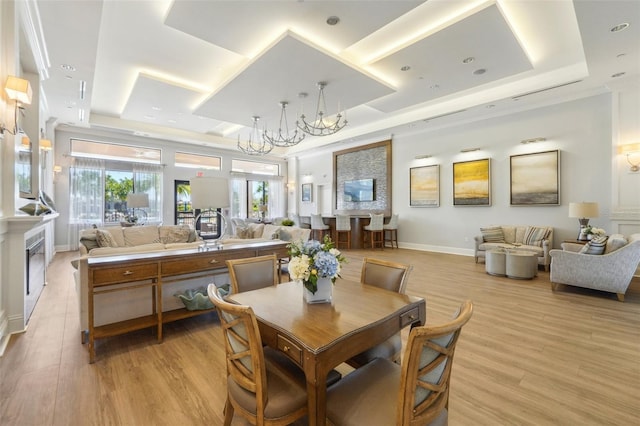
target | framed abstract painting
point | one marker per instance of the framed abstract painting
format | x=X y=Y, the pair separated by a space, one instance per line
x=472 y=183
x=535 y=179
x=424 y=186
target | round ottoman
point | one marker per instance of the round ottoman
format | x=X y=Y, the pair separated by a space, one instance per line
x=495 y=262
x=521 y=265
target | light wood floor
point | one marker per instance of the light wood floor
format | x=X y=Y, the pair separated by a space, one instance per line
x=527 y=357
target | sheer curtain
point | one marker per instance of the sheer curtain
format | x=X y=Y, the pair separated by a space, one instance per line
x=86 y=197
x=238 y=187
x=147 y=178
x=276 y=197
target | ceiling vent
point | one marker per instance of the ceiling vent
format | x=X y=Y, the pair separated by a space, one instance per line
x=544 y=90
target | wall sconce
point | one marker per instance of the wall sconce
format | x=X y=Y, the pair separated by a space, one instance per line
x=56 y=171
x=629 y=149
x=18 y=90
x=532 y=140
x=469 y=149
x=422 y=157
x=25 y=143
x=45 y=146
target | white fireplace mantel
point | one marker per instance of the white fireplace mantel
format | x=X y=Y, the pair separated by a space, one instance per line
x=19 y=229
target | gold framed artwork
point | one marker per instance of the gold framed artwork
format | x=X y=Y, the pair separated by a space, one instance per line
x=306 y=192
x=535 y=179
x=424 y=186
x=472 y=183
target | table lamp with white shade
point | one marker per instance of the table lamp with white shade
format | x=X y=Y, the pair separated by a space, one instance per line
x=137 y=200
x=210 y=194
x=583 y=211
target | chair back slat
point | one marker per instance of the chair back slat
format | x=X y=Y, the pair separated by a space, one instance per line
x=426 y=369
x=243 y=345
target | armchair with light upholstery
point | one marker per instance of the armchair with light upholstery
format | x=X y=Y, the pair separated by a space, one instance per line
x=611 y=271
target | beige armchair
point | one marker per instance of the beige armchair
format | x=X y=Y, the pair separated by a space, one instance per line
x=610 y=272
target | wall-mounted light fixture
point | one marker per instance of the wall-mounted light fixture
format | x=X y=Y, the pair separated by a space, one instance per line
x=25 y=143
x=469 y=149
x=532 y=140
x=18 y=90
x=421 y=157
x=56 y=170
x=632 y=151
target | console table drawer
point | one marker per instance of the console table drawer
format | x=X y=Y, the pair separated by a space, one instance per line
x=198 y=263
x=124 y=274
x=290 y=349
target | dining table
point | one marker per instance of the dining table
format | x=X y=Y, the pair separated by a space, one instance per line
x=319 y=337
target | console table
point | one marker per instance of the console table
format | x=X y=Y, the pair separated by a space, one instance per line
x=154 y=270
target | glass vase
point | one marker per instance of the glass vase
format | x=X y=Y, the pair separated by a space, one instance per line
x=324 y=293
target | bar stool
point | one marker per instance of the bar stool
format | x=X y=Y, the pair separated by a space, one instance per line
x=375 y=231
x=343 y=226
x=391 y=231
x=317 y=225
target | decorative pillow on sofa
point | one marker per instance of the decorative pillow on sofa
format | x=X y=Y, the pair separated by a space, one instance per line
x=534 y=236
x=492 y=234
x=174 y=234
x=243 y=232
x=256 y=229
x=615 y=242
x=595 y=246
x=105 y=239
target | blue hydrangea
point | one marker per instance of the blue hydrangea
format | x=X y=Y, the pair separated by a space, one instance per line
x=326 y=264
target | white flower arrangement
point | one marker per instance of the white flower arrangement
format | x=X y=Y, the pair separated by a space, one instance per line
x=596 y=232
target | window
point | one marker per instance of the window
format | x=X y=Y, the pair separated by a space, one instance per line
x=197 y=161
x=114 y=151
x=257 y=196
x=255 y=167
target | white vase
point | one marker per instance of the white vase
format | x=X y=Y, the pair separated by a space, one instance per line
x=324 y=293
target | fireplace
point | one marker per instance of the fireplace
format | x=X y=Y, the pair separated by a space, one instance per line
x=35 y=267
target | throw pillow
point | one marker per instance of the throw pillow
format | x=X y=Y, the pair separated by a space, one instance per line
x=285 y=235
x=533 y=236
x=105 y=239
x=174 y=234
x=615 y=242
x=595 y=246
x=89 y=242
x=35 y=209
x=243 y=233
x=492 y=234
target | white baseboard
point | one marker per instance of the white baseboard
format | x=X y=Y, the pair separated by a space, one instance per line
x=4 y=332
x=437 y=249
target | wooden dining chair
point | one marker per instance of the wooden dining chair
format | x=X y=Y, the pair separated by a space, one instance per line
x=263 y=385
x=390 y=276
x=253 y=272
x=421 y=382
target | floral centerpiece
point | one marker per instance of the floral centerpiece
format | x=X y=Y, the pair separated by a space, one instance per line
x=312 y=259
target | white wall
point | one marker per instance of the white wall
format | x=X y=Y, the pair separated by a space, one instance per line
x=582 y=131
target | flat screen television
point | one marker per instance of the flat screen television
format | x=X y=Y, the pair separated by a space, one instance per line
x=359 y=190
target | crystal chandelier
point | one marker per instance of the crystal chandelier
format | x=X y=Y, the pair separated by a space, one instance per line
x=320 y=126
x=282 y=138
x=255 y=145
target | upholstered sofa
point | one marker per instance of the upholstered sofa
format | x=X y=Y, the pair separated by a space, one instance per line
x=537 y=239
x=113 y=240
x=243 y=231
x=611 y=271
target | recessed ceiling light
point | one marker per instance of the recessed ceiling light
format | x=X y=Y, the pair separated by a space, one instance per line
x=490 y=106
x=68 y=67
x=155 y=108
x=405 y=68
x=468 y=60
x=618 y=74
x=479 y=71
x=620 y=27
x=332 y=20
x=434 y=87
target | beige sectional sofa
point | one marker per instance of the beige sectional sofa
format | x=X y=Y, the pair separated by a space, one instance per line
x=537 y=239
x=243 y=231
